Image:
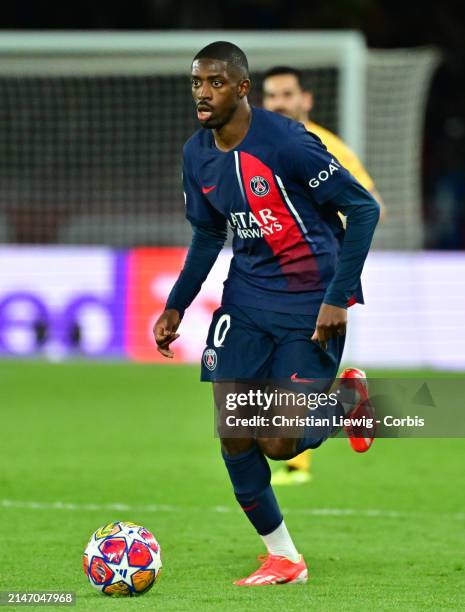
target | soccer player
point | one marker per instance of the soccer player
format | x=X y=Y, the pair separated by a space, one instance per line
x=283 y=92
x=293 y=274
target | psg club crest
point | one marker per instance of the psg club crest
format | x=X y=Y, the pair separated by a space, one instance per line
x=259 y=186
x=210 y=359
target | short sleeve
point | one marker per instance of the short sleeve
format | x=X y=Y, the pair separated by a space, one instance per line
x=315 y=168
x=199 y=211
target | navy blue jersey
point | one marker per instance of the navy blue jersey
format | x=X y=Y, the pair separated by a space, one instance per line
x=275 y=189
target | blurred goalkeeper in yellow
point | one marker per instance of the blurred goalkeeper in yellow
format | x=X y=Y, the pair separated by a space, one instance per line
x=284 y=93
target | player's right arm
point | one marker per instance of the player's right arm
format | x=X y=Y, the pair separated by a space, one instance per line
x=330 y=185
x=208 y=237
x=349 y=160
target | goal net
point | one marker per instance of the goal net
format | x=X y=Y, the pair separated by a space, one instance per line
x=93 y=125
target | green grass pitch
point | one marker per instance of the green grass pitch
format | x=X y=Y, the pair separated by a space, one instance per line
x=91 y=435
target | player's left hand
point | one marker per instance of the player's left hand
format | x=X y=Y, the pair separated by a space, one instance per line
x=331 y=322
x=164 y=331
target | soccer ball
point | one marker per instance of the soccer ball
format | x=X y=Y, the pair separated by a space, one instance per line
x=122 y=559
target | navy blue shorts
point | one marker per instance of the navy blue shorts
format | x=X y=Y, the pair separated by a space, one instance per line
x=249 y=343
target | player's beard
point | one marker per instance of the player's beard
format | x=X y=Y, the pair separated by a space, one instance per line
x=215 y=122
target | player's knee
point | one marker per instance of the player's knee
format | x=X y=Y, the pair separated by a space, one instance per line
x=277 y=448
x=236 y=446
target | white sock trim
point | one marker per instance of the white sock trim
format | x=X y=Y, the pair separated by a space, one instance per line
x=279 y=542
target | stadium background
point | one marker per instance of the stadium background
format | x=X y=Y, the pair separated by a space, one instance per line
x=90 y=143
x=91 y=238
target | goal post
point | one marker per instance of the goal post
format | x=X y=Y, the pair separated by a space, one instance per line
x=398 y=81
x=93 y=125
x=164 y=53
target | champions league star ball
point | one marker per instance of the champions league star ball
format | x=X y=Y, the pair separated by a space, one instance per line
x=122 y=559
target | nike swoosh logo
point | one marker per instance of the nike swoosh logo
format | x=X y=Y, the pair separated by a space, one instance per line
x=295 y=378
x=208 y=189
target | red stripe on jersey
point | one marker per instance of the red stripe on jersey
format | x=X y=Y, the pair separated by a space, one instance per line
x=295 y=255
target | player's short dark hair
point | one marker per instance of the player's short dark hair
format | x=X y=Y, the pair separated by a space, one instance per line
x=226 y=52
x=280 y=70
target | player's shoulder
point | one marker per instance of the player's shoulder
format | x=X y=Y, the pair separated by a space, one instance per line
x=286 y=133
x=195 y=143
x=330 y=139
x=320 y=131
x=276 y=124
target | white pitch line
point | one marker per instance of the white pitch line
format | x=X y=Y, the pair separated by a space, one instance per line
x=328 y=512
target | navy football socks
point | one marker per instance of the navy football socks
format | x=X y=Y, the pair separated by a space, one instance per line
x=251 y=476
x=315 y=436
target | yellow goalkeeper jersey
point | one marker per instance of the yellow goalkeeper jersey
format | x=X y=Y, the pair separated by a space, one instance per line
x=343 y=154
